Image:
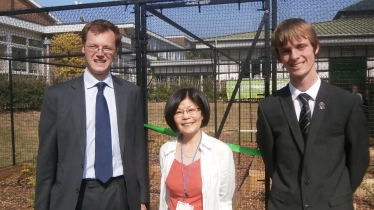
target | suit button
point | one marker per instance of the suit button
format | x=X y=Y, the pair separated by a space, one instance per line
x=76 y=190
x=306 y=181
x=81 y=165
x=306 y=207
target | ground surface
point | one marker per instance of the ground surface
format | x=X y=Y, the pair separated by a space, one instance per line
x=16 y=193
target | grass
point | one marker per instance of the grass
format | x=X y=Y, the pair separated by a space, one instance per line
x=245 y=119
x=26 y=129
x=241 y=117
x=25 y=137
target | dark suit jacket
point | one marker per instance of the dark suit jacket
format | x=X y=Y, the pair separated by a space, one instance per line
x=324 y=172
x=62 y=136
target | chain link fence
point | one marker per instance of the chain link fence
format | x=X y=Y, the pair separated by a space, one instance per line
x=218 y=46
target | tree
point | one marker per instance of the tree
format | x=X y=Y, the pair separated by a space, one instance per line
x=68 y=44
x=196 y=54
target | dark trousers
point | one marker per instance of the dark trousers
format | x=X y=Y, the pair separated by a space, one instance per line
x=94 y=195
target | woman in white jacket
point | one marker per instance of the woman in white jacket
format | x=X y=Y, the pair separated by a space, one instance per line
x=197 y=170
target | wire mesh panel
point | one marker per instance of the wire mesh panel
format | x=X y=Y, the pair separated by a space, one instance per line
x=216 y=40
x=220 y=47
x=345 y=56
x=209 y=43
x=5 y=135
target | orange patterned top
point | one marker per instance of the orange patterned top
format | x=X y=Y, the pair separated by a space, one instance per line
x=174 y=183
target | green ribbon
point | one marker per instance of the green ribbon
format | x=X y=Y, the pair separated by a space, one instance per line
x=233 y=147
x=161 y=130
x=245 y=150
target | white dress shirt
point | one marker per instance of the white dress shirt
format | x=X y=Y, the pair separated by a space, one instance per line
x=90 y=95
x=312 y=92
x=217 y=173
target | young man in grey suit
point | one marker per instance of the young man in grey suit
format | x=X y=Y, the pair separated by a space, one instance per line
x=319 y=162
x=92 y=149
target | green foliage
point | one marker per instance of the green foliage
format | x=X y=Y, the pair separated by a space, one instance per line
x=67 y=44
x=369 y=189
x=160 y=90
x=222 y=95
x=27 y=91
x=29 y=174
x=196 y=54
x=208 y=87
x=153 y=54
x=57 y=78
x=4 y=92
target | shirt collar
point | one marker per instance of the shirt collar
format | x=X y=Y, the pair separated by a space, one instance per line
x=312 y=91
x=206 y=144
x=90 y=81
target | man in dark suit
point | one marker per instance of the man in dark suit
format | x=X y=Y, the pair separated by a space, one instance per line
x=319 y=162
x=72 y=172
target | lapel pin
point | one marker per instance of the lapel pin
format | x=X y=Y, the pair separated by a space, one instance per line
x=321 y=105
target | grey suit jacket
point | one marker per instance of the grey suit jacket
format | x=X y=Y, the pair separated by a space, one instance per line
x=324 y=172
x=62 y=140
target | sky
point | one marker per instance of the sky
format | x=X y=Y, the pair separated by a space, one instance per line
x=209 y=21
x=51 y=3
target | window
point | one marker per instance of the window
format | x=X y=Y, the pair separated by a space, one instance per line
x=246 y=70
x=33 y=67
x=18 y=65
x=18 y=40
x=3 y=38
x=115 y=63
x=3 y=50
x=3 y=63
x=256 y=69
x=35 y=43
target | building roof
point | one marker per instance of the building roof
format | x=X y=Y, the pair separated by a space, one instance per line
x=339 y=27
x=354 y=20
x=364 y=8
x=360 y=6
x=35 y=3
x=348 y=27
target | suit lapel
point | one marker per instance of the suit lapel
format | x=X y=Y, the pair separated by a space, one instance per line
x=289 y=112
x=78 y=104
x=318 y=116
x=121 y=106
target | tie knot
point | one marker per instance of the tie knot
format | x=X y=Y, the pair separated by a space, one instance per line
x=101 y=86
x=304 y=98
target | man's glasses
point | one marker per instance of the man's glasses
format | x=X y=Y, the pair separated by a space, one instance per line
x=190 y=112
x=95 y=49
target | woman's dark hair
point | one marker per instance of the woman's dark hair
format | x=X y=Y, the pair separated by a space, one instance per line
x=177 y=97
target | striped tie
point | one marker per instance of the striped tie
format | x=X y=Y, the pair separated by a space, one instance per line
x=305 y=115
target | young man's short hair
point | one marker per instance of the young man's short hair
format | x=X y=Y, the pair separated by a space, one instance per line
x=292 y=29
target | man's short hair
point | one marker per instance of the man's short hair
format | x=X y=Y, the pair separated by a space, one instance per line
x=291 y=29
x=100 y=26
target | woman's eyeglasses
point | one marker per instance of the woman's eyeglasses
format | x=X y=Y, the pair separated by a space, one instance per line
x=190 y=112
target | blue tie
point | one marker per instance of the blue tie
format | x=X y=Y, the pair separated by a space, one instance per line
x=103 y=137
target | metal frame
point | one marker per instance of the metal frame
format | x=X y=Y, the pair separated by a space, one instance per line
x=141 y=7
